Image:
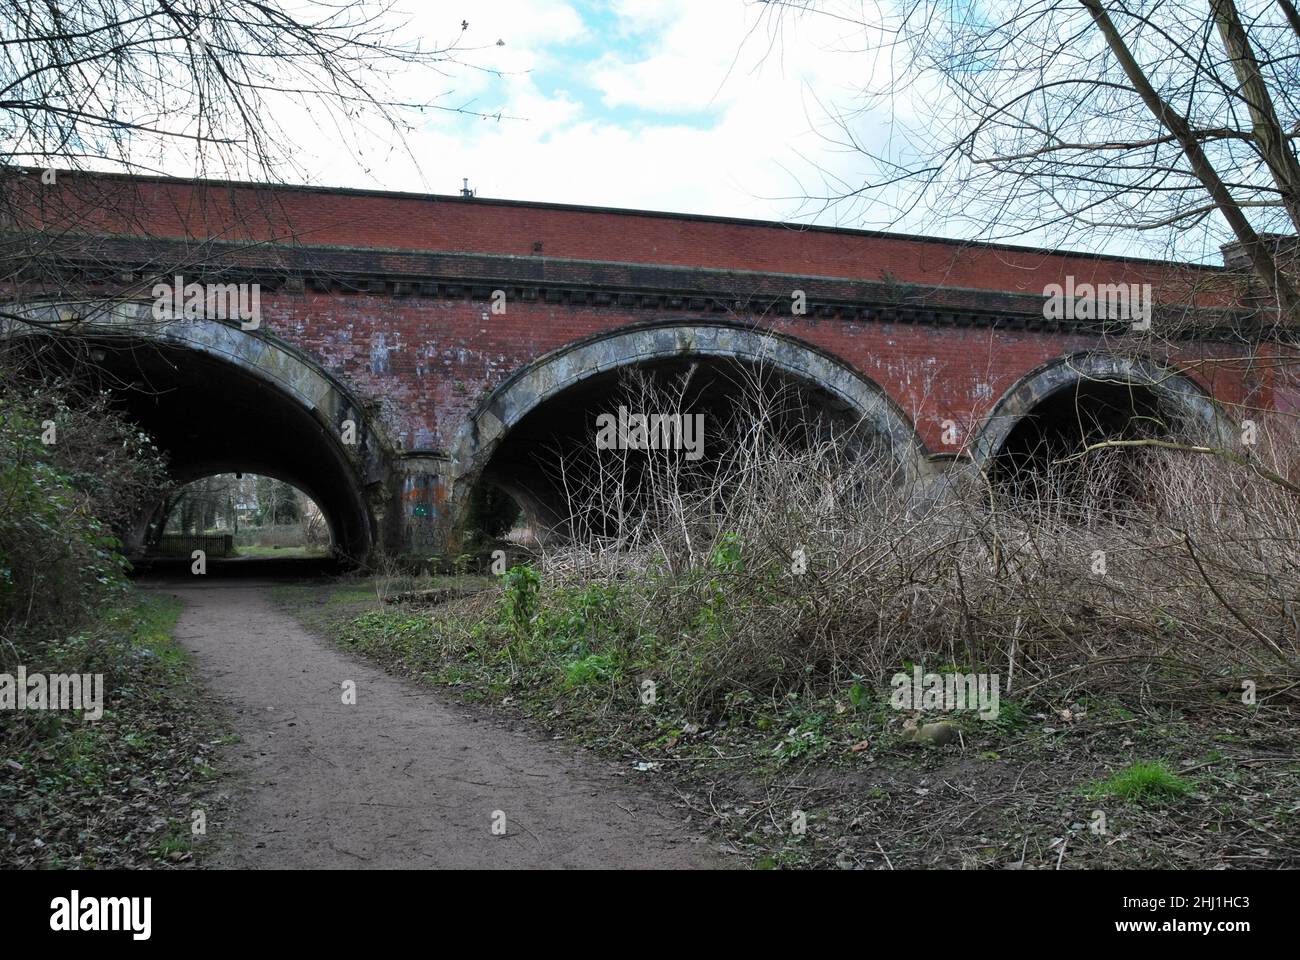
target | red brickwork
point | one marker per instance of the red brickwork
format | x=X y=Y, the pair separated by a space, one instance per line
x=428 y=359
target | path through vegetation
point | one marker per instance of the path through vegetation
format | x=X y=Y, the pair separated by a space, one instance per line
x=400 y=778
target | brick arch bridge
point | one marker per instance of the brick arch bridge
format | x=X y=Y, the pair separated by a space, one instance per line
x=443 y=328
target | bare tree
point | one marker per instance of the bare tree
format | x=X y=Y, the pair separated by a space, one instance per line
x=134 y=85
x=1156 y=121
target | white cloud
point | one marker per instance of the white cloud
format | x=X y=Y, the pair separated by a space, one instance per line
x=683 y=105
x=704 y=111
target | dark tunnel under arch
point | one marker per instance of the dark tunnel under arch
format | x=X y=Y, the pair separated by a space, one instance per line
x=219 y=400
x=554 y=399
x=1067 y=403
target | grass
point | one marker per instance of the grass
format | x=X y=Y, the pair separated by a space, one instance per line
x=152 y=625
x=282 y=553
x=1142 y=782
x=571 y=658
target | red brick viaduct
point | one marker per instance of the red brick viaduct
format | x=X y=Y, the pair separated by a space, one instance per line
x=435 y=327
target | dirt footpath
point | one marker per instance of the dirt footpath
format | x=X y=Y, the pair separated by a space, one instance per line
x=400 y=779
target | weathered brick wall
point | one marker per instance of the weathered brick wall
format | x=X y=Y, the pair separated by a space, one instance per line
x=429 y=362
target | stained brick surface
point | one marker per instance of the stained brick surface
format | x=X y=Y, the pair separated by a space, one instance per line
x=428 y=359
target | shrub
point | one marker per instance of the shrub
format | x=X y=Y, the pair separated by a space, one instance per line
x=65 y=505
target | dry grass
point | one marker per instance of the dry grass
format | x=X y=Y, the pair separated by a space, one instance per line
x=1149 y=572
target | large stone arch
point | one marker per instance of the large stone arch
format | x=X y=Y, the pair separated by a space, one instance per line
x=1175 y=391
x=552 y=374
x=306 y=404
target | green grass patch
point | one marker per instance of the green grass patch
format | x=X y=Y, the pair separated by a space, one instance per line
x=1143 y=782
x=281 y=553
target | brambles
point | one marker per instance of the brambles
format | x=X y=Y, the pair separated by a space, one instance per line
x=685 y=634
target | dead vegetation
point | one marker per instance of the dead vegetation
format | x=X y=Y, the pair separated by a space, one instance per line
x=796 y=563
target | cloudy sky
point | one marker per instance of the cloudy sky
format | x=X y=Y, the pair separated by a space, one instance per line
x=703 y=106
x=726 y=107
